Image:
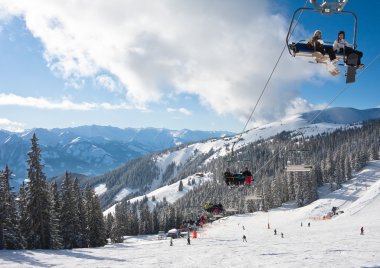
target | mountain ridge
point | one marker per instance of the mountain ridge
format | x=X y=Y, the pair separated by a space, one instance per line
x=90 y=150
x=179 y=163
x=96 y=150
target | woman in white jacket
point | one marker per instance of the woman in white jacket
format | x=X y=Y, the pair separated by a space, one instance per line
x=342 y=46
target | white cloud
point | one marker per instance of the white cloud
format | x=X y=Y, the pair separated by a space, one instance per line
x=299 y=105
x=107 y=82
x=180 y=110
x=9 y=125
x=64 y=104
x=221 y=51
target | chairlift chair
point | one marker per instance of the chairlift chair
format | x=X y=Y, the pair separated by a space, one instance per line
x=236 y=167
x=300 y=48
x=297 y=158
x=298 y=161
x=253 y=197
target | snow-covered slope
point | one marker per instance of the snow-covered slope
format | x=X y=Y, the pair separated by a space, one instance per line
x=168 y=192
x=326 y=243
x=208 y=150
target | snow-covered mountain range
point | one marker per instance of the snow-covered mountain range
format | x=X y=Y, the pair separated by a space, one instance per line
x=184 y=162
x=340 y=115
x=95 y=150
x=90 y=150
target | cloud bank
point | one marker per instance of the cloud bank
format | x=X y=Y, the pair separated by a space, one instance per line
x=64 y=104
x=220 y=51
x=12 y=126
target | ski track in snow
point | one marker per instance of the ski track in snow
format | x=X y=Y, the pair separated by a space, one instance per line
x=326 y=243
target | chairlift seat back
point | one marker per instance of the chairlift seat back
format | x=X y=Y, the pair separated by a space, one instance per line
x=299 y=168
x=301 y=49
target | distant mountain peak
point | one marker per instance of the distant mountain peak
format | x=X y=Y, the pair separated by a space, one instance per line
x=91 y=150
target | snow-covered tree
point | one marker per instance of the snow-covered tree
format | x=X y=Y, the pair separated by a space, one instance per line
x=37 y=201
x=95 y=221
x=10 y=235
x=69 y=224
x=54 y=225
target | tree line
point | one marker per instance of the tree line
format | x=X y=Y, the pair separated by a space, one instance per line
x=46 y=216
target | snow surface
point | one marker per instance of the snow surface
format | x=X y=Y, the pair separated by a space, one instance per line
x=123 y=193
x=100 y=189
x=170 y=192
x=326 y=243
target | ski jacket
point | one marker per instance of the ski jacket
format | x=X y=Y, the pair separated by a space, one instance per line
x=339 y=45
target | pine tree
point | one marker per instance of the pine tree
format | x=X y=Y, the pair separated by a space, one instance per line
x=180 y=187
x=55 y=227
x=133 y=220
x=69 y=225
x=22 y=208
x=10 y=235
x=118 y=223
x=145 y=226
x=110 y=219
x=80 y=215
x=95 y=220
x=276 y=192
x=318 y=175
x=3 y=207
x=38 y=201
x=348 y=170
x=375 y=151
x=155 y=221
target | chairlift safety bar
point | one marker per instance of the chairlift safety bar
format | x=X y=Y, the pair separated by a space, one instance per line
x=321 y=10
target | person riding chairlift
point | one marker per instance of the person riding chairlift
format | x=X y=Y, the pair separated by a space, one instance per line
x=228 y=177
x=342 y=46
x=316 y=43
x=248 y=176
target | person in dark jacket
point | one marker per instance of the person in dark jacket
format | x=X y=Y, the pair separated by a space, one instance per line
x=316 y=43
x=244 y=238
x=228 y=177
x=247 y=176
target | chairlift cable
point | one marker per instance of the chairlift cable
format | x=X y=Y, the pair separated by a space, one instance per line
x=266 y=84
x=327 y=105
x=344 y=89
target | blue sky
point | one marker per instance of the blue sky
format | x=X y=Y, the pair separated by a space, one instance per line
x=171 y=64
